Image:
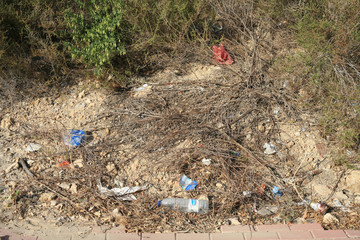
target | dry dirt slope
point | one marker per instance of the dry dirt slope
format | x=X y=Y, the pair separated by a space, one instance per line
x=153 y=136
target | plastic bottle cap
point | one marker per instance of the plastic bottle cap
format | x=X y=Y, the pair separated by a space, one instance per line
x=159 y=203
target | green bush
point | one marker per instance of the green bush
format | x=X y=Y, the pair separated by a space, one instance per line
x=102 y=31
x=169 y=21
x=97 y=30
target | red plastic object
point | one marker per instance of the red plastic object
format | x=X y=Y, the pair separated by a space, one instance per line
x=221 y=55
x=63 y=164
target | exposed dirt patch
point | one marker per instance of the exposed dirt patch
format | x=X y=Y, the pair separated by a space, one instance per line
x=153 y=136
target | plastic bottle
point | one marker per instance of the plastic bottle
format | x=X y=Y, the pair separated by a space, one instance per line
x=185 y=205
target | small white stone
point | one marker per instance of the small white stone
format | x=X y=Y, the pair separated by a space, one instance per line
x=6 y=122
x=234 y=221
x=219 y=185
x=110 y=167
x=82 y=94
x=64 y=185
x=78 y=163
x=330 y=219
x=73 y=188
x=46 y=197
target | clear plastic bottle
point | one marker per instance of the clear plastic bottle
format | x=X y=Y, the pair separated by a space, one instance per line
x=185 y=205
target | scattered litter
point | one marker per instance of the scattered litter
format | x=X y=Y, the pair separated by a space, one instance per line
x=221 y=55
x=338 y=204
x=304 y=202
x=269 y=148
x=277 y=191
x=33 y=147
x=185 y=205
x=186 y=183
x=123 y=194
x=276 y=110
x=202 y=89
x=142 y=88
x=236 y=154
x=277 y=219
x=206 y=161
x=246 y=193
x=254 y=207
x=272 y=209
x=319 y=207
x=285 y=84
x=64 y=163
x=142 y=91
x=264 y=211
x=74 y=138
x=262 y=189
x=303 y=129
x=282 y=23
x=349 y=153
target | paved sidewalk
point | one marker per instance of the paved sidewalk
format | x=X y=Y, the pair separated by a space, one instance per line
x=267 y=232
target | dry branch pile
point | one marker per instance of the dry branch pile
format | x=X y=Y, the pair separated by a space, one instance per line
x=155 y=138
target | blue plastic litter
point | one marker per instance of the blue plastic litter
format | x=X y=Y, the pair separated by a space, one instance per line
x=74 y=138
x=277 y=191
x=186 y=183
x=236 y=154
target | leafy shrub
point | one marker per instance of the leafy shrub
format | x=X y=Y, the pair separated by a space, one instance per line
x=97 y=32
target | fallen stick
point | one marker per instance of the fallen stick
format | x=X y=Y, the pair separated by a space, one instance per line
x=24 y=166
x=12 y=167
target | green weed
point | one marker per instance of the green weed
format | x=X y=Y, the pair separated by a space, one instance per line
x=97 y=30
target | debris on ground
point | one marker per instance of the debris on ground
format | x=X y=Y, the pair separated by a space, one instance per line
x=277 y=191
x=74 y=138
x=123 y=194
x=187 y=183
x=185 y=205
x=142 y=91
x=264 y=211
x=221 y=55
x=319 y=207
x=206 y=161
x=33 y=147
x=211 y=135
x=269 y=148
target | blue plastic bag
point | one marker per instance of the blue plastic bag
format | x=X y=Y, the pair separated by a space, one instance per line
x=277 y=191
x=74 y=138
